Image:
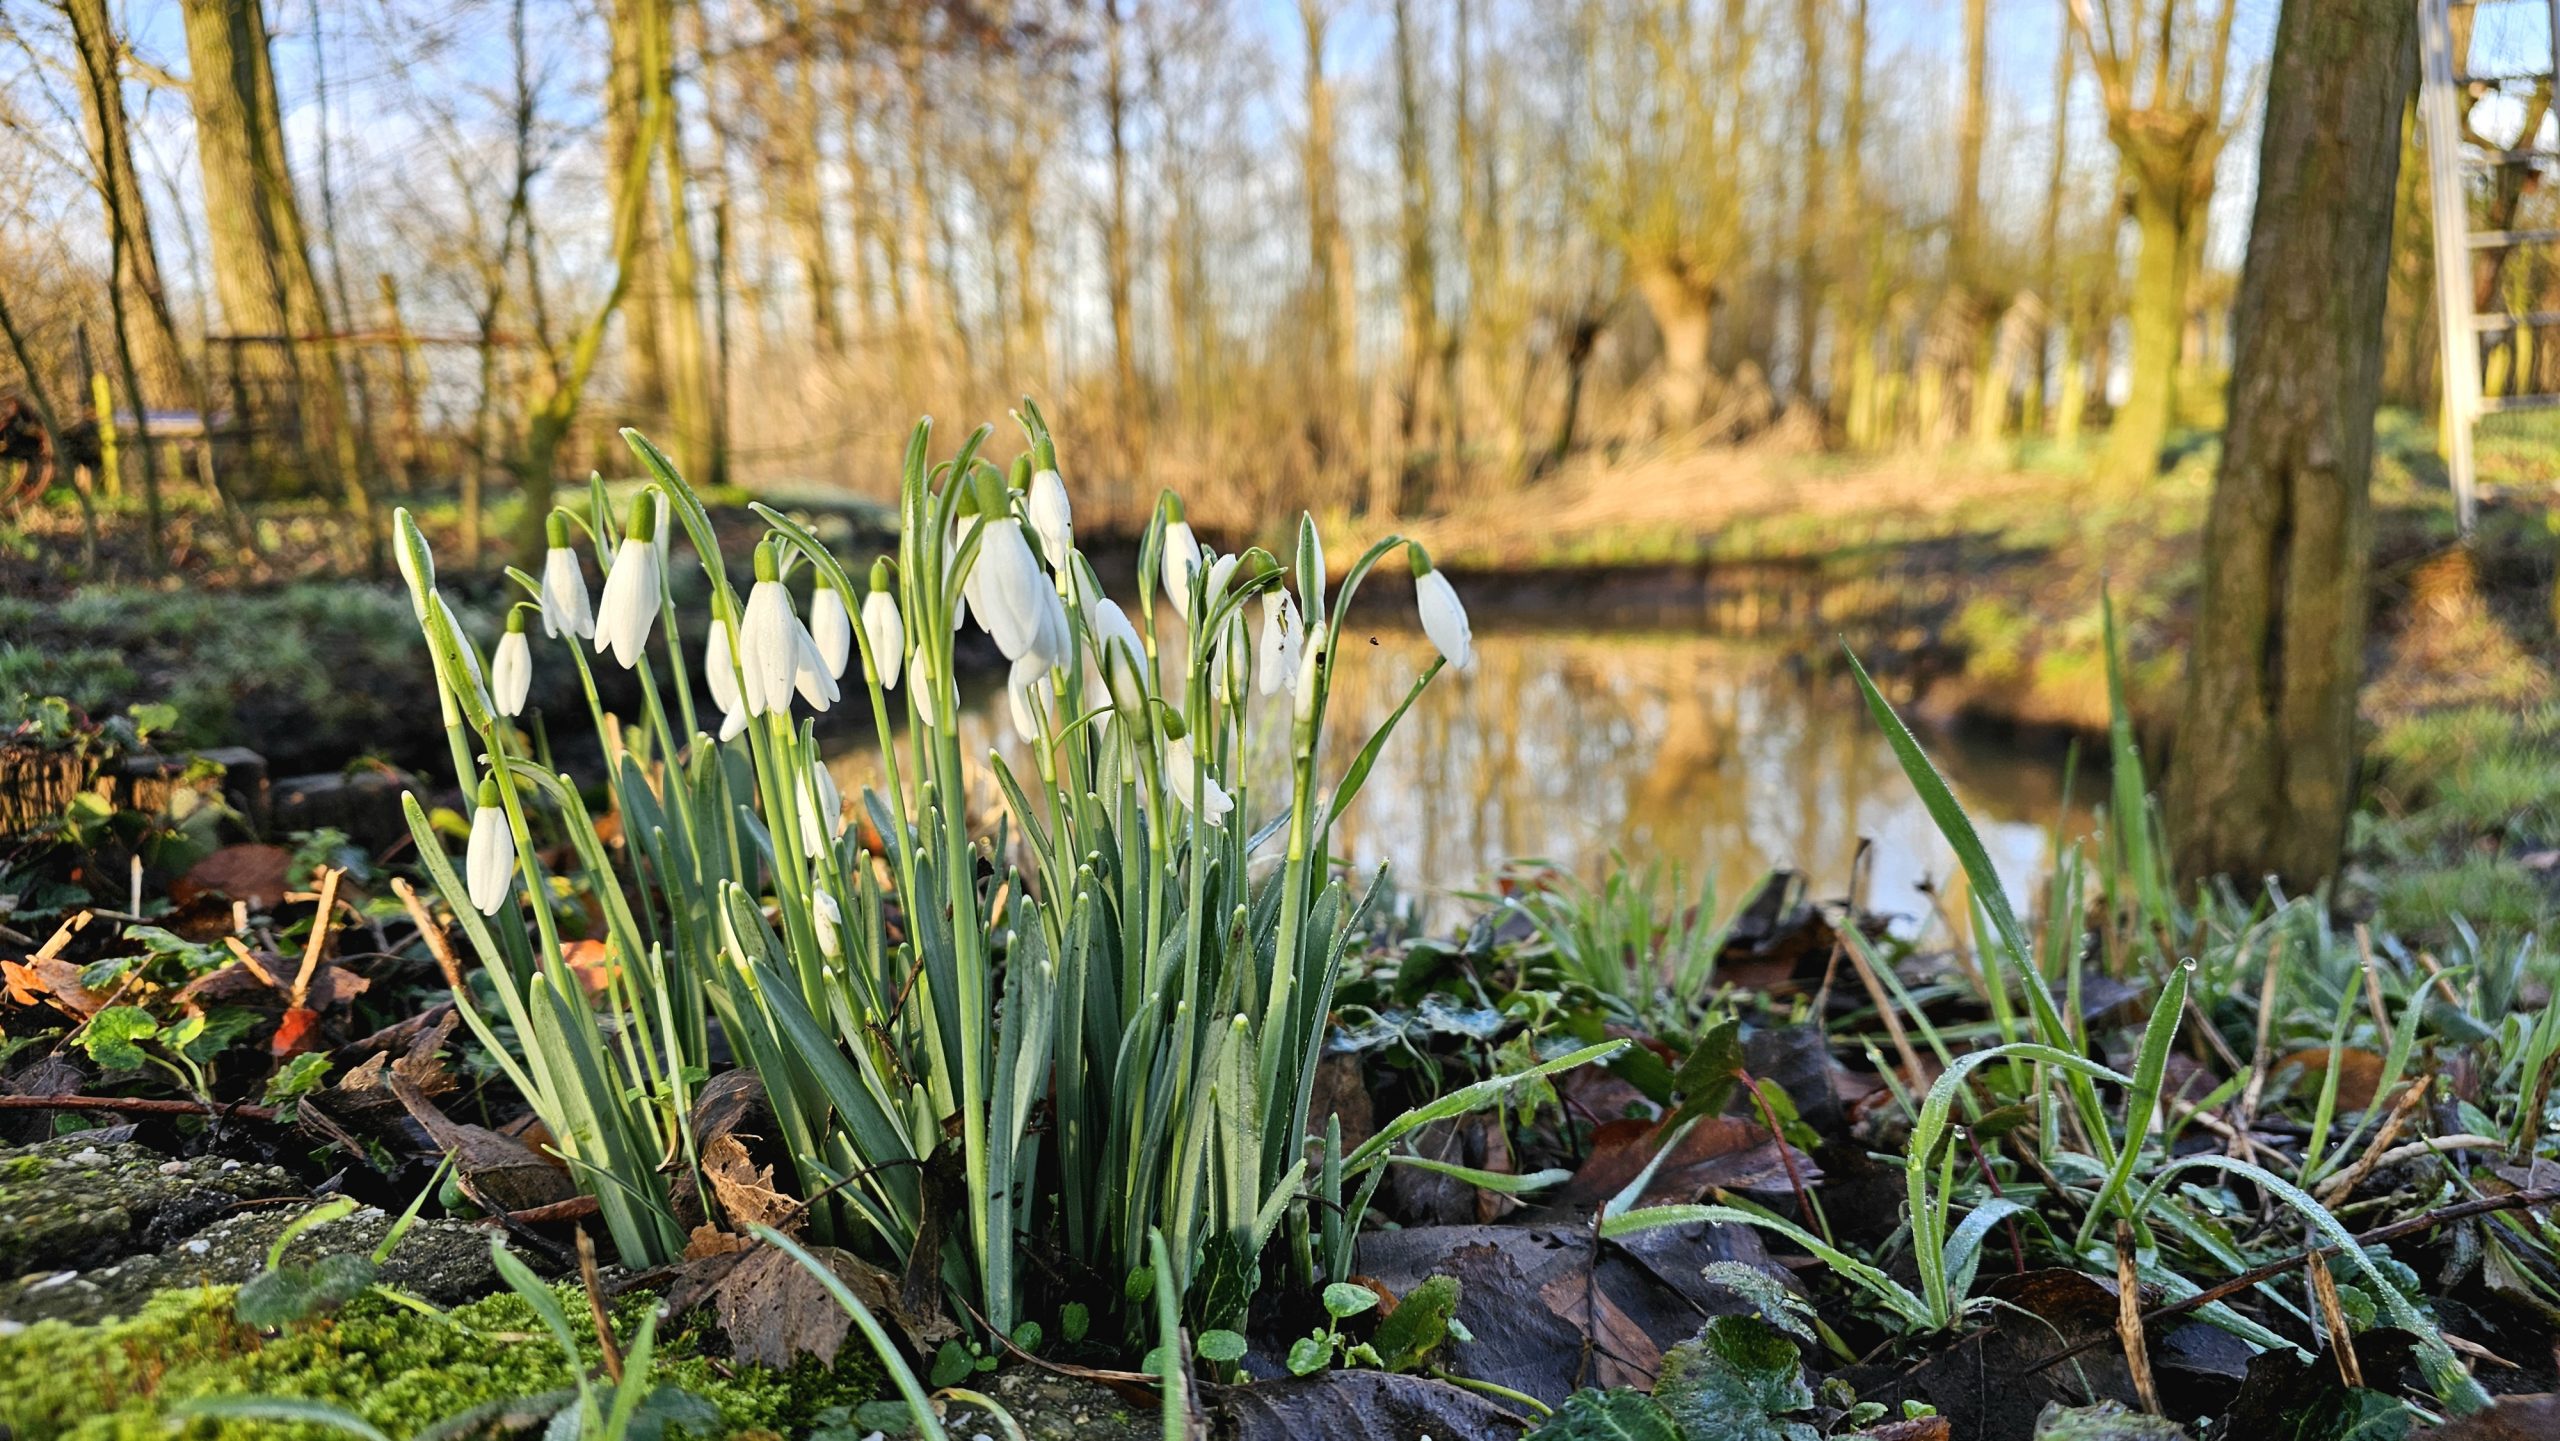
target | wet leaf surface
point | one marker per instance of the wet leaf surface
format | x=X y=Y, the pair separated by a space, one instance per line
x=1359 y=1406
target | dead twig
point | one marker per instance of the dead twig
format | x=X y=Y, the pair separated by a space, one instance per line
x=2342 y=1338
x=2129 y=1331
x=135 y=1106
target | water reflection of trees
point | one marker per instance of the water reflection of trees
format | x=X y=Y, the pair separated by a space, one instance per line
x=1656 y=746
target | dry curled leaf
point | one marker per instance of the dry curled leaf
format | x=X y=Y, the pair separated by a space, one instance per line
x=745 y=1191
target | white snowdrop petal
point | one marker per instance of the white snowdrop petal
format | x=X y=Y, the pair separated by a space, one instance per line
x=1276 y=664
x=489 y=863
x=1444 y=619
x=888 y=635
x=511 y=673
x=831 y=627
x=1181 y=560
x=1052 y=517
x=565 y=606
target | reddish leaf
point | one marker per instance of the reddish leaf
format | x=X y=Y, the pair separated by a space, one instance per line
x=593 y=963
x=296 y=1032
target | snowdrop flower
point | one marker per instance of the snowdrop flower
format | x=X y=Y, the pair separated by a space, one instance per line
x=1443 y=618
x=1277 y=661
x=633 y=588
x=882 y=627
x=1016 y=603
x=1181 y=557
x=490 y=862
x=1310 y=681
x=775 y=653
x=821 y=810
x=1022 y=695
x=564 y=585
x=932 y=695
x=1181 y=769
x=831 y=626
x=1052 y=518
x=827 y=916
x=720 y=671
x=1118 y=658
x=511 y=674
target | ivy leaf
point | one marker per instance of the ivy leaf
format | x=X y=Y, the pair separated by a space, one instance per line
x=1343 y=1300
x=298 y=1078
x=1418 y=1325
x=1617 y=1415
x=115 y=1036
x=1706 y=1079
x=1737 y=1381
x=1222 y=1347
x=1309 y=1355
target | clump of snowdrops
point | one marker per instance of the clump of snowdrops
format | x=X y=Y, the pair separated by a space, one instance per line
x=1153 y=961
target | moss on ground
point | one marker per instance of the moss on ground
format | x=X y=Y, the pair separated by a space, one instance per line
x=399 y=1369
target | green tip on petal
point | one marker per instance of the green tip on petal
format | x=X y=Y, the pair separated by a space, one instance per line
x=515 y=618
x=880 y=574
x=644 y=516
x=1174 y=727
x=488 y=791
x=1421 y=558
x=1172 y=505
x=768 y=559
x=1020 y=479
x=988 y=486
x=556 y=529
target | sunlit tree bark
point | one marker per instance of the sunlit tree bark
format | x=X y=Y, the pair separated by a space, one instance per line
x=261 y=257
x=2264 y=775
x=2161 y=73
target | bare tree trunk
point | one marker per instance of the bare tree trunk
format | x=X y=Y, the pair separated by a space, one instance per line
x=2049 y=235
x=261 y=256
x=1336 y=310
x=1115 y=234
x=635 y=29
x=2264 y=775
x=1855 y=288
x=2165 y=209
x=1812 y=190
x=1420 y=289
x=100 y=51
x=795 y=157
x=692 y=410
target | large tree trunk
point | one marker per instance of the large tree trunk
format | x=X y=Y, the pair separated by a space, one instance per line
x=2264 y=773
x=1328 y=243
x=155 y=342
x=2166 y=208
x=1420 y=289
x=1115 y=232
x=633 y=81
x=1682 y=304
x=260 y=252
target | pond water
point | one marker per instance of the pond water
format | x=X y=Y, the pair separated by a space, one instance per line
x=1722 y=758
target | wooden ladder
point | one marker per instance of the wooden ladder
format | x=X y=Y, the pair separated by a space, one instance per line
x=2445 y=97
